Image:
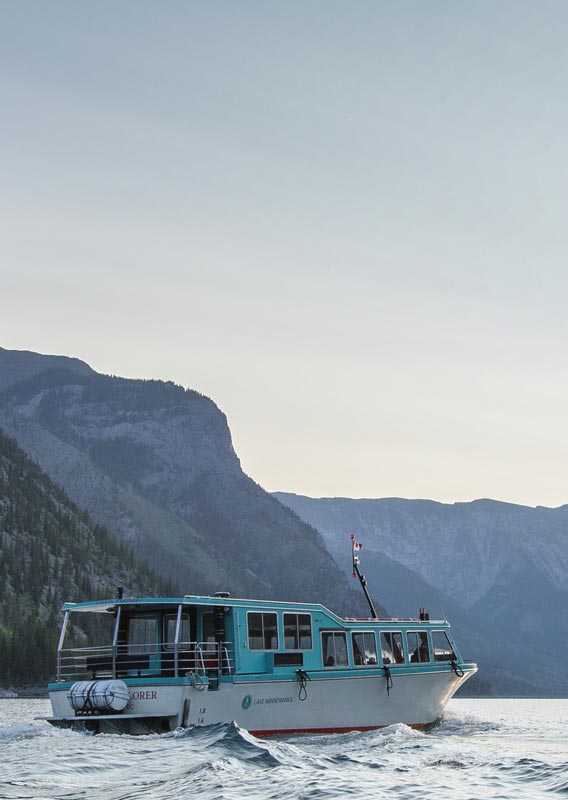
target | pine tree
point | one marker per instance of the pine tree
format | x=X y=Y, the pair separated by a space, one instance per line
x=51 y=551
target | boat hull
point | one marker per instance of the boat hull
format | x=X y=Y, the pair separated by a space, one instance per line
x=328 y=703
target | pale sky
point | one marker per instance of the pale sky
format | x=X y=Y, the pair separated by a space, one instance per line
x=345 y=222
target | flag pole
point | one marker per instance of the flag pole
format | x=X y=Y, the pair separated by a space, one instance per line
x=355 y=547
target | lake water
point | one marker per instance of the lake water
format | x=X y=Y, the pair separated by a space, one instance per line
x=482 y=749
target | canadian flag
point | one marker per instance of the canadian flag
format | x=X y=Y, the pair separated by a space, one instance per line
x=356 y=545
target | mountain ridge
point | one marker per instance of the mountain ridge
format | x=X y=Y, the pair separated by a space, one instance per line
x=503 y=567
x=155 y=462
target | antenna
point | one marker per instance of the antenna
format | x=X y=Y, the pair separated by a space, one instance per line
x=355 y=547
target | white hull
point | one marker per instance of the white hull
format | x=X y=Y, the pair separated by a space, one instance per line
x=267 y=707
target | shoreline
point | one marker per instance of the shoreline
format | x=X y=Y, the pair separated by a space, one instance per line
x=26 y=693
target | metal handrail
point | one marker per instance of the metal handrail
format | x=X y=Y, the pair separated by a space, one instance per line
x=228 y=660
x=120 y=660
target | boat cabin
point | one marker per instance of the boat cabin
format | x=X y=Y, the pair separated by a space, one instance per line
x=211 y=640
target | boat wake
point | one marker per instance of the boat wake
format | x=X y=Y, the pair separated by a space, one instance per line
x=14 y=733
x=462 y=724
x=236 y=741
x=465 y=756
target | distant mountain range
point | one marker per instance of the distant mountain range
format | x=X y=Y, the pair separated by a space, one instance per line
x=498 y=571
x=154 y=463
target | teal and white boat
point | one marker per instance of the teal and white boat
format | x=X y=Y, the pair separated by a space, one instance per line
x=157 y=664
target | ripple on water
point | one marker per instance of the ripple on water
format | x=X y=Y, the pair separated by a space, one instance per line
x=456 y=724
x=474 y=753
x=14 y=733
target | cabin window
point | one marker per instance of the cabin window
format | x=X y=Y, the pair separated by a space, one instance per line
x=392 y=648
x=170 y=624
x=334 y=649
x=262 y=631
x=143 y=635
x=364 y=648
x=443 y=650
x=418 y=649
x=297 y=632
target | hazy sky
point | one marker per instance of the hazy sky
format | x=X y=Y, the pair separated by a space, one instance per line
x=345 y=222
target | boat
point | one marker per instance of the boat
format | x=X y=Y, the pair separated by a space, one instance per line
x=152 y=665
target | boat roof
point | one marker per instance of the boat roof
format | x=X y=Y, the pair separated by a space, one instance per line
x=102 y=606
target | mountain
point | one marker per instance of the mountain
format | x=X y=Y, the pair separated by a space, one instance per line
x=51 y=551
x=19 y=365
x=498 y=571
x=155 y=463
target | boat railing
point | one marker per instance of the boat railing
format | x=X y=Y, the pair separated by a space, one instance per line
x=147 y=659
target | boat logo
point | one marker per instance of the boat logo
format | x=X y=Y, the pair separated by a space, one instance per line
x=247 y=702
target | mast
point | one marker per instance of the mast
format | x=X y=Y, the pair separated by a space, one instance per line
x=355 y=547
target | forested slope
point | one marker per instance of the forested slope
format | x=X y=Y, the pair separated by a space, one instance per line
x=51 y=551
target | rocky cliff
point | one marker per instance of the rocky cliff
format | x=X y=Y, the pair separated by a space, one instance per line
x=155 y=463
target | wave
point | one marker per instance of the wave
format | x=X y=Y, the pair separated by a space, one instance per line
x=531 y=769
x=444 y=761
x=16 y=732
x=462 y=724
x=464 y=756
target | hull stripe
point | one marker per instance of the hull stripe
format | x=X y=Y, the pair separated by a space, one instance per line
x=350 y=729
